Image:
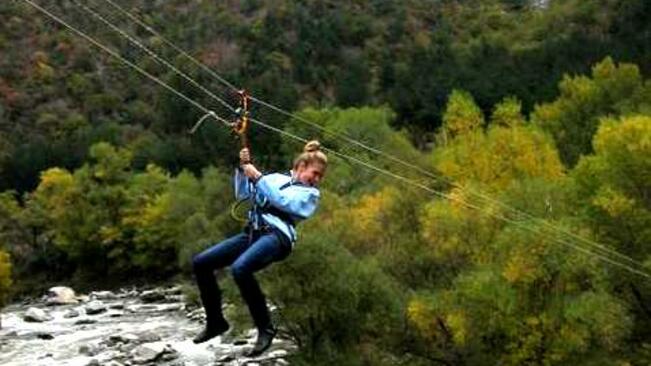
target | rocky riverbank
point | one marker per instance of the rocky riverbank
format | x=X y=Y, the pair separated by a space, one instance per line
x=122 y=328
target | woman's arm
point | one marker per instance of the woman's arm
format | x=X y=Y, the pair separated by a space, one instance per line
x=244 y=176
x=297 y=200
x=241 y=185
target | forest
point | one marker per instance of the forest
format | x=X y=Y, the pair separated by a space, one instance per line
x=505 y=219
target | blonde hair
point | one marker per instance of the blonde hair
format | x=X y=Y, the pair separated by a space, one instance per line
x=311 y=154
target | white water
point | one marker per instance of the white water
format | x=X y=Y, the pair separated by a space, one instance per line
x=161 y=324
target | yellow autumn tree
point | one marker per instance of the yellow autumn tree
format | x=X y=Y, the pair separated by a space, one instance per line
x=615 y=181
x=573 y=118
x=5 y=276
x=462 y=115
x=499 y=157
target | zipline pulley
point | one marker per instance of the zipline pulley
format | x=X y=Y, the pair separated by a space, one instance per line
x=239 y=125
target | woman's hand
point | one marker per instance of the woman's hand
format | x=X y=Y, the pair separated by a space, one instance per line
x=251 y=171
x=245 y=156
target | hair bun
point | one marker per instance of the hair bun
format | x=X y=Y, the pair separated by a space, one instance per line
x=312 y=146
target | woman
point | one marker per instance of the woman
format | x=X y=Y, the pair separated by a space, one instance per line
x=280 y=201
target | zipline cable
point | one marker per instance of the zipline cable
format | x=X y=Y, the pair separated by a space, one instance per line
x=260 y=101
x=343 y=136
x=156 y=57
x=124 y=60
x=450 y=198
x=331 y=151
x=170 y=44
x=153 y=54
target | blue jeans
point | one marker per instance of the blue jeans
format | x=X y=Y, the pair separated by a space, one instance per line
x=245 y=255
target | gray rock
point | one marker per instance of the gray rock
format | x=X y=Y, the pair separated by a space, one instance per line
x=149 y=296
x=85 y=321
x=125 y=348
x=169 y=356
x=71 y=313
x=175 y=290
x=83 y=298
x=119 y=306
x=129 y=338
x=95 y=307
x=148 y=337
x=44 y=335
x=148 y=352
x=126 y=338
x=175 y=298
x=196 y=314
x=93 y=362
x=226 y=358
x=103 y=295
x=37 y=315
x=88 y=350
x=61 y=295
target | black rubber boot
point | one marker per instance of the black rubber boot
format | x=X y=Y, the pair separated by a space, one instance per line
x=265 y=337
x=211 y=331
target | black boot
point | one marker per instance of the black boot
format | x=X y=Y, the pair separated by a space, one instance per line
x=211 y=331
x=265 y=337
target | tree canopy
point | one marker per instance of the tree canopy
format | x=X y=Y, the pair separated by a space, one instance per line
x=487 y=199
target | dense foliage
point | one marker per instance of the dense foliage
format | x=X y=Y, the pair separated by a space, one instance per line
x=532 y=127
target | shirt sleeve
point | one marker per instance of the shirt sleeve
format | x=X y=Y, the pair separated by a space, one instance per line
x=296 y=200
x=241 y=185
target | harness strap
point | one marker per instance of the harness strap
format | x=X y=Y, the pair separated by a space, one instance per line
x=258 y=210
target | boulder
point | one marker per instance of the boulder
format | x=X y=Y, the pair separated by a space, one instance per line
x=103 y=295
x=88 y=350
x=95 y=307
x=85 y=321
x=124 y=338
x=175 y=290
x=37 y=315
x=155 y=295
x=71 y=313
x=148 y=336
x=118 y=306
x=61 y=295
x=44 y=335
x=151 y=352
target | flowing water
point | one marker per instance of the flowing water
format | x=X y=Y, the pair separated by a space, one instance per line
x=124 y=328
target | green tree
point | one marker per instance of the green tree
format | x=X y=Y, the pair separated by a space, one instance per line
x=613 y=188
x=573 y=118
x=368 y=126
x=5 y=276
x=461 y=115
x=507 y=113
x=335 y=307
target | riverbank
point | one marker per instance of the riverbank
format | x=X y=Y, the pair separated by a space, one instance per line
x=120 y=328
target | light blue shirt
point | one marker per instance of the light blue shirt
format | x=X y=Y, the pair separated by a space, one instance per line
x=282 y=192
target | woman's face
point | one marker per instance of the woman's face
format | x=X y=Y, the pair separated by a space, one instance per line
x=310 y=174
